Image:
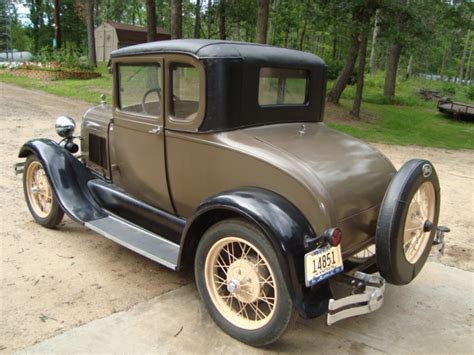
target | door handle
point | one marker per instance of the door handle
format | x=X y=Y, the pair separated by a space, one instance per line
x=156 y=130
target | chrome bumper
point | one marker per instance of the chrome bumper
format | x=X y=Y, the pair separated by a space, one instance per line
x=367 y=296
x=365 y=290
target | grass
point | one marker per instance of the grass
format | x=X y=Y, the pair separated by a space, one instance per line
x=87 y=90
x=406 y=120
x=408 y=125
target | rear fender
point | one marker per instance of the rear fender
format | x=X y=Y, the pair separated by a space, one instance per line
x=68 y=178
x=282 y=223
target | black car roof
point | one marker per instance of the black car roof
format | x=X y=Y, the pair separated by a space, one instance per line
x=205 y=48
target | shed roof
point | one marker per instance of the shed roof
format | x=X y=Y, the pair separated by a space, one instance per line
x=135 y=34
x=204 y=48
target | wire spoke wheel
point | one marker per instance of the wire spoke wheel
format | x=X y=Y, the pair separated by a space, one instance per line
x=241 y=283
x=39 y=190
x=407 y=222
x=39 y=194
x=363 y=255
x=418 y=222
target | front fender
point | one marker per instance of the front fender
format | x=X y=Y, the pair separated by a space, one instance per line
x=282 y=223
x=68 y=178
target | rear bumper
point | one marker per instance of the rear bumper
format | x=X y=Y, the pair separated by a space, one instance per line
x=366 y=293
x=356 y=293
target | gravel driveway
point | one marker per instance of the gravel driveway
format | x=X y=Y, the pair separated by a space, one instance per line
x=54 y=280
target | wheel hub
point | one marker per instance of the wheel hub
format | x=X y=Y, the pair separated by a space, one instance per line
x=233 y=286
x=243 y=280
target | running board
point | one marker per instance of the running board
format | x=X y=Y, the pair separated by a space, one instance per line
x=139 y=240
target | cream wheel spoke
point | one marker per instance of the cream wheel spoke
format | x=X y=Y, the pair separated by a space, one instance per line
x=258 y=310
x=412 y=229
x=268 y=281
x=421 y=210
x=240 y=283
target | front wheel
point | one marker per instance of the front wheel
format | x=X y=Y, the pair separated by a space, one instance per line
x=39 y=195
x=241 y=283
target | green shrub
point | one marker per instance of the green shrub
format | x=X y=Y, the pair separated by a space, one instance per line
x=470 y=92
x=333 y=70
x=66 y=58
x=449 y=88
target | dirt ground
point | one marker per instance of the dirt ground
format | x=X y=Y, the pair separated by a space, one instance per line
x=54 y=280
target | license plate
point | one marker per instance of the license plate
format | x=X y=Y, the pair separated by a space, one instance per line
x=322 y=263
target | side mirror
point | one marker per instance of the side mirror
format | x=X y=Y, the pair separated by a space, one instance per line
x=65 y=126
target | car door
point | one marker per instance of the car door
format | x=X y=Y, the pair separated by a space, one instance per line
x=137 y=140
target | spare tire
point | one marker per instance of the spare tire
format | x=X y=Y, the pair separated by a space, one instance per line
x=407 y=222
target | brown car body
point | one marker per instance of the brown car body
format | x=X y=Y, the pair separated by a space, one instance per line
x=332 y=178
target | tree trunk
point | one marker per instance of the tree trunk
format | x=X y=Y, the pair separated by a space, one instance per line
x=303 y=34
x=463 y=58
x=197 y=21
x=443 y=65
x=391 y=71
x=373 y=48
x=287 y=33
x=334 y=47
x=222 y=15
x=90 y=32
x=360 y=78
x=36 y=13
x=150 y=20
x=410 y=67
x=341 y=82
x=469 y=66
x=262 y=21
x=209 y=19
x=176 y=13
x=238 y=30
x=57 y=25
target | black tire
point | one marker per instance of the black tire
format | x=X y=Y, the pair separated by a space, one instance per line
x=55 y=214
x=392 y=261
x=283 y=313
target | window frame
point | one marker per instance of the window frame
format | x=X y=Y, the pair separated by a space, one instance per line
x=195 y=122
x=116 y=62
x=283 y=69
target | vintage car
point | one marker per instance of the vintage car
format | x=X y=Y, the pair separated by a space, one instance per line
x=214 y=154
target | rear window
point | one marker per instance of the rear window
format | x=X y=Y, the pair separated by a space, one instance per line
x=279 y=86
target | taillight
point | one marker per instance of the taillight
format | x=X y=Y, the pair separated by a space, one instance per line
x=333 y=236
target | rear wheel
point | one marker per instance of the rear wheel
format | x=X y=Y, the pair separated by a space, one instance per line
x=407 y=222
x=240 y=281
x=39 y=195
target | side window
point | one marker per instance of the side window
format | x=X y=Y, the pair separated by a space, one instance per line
x=140 y=88
x=282 y=86
x=185 y=93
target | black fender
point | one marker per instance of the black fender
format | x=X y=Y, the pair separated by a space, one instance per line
x=282 y=223
x=68 y=178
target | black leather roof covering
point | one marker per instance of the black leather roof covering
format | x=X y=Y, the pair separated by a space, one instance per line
x=205 y=48
x=232 y=80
